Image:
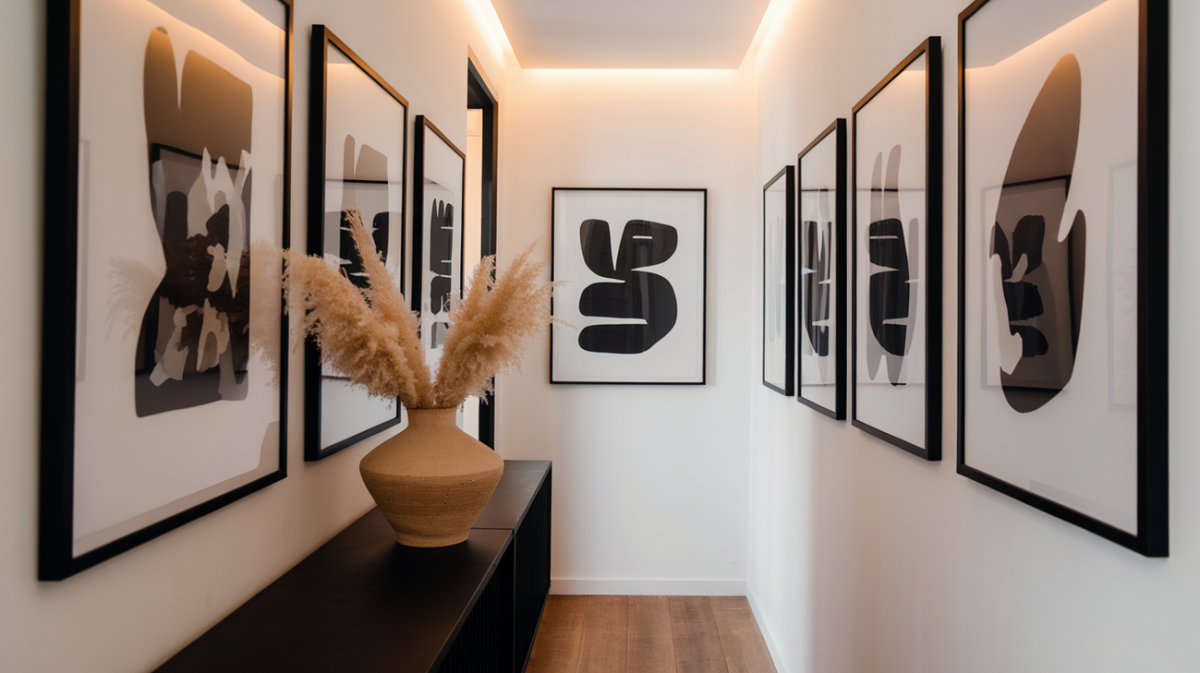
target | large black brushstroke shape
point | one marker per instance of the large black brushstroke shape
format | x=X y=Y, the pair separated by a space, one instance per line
x=364 y=186
x=637 y=294
x=894 y=262
x=194 y=342
x=817 y=277
x=1041 y=278
x=441 y=247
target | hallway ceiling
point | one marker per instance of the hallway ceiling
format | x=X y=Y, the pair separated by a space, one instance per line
x=630 y=33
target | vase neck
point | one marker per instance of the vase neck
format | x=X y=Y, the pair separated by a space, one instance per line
x=432 y=417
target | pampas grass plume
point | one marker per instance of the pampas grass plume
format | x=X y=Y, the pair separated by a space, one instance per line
x=372 y=337
x=491 y=328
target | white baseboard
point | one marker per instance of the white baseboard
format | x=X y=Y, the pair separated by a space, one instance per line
x=567 y=587
x=766 y=633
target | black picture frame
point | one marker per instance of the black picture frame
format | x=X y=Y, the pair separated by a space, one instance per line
x=430 y=171
x=1095 y=166
x=931 y=294
x=835 y=133
x=644 y=362
x=77 y=224
x=779 y=281
x=327 y=399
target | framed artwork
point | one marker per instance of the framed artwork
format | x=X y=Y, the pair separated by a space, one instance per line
x=164 y=364
x=1062 y=334
x=897 y=255
x=439 y=173
x=640 y=313
x=358 y=138
x=821 y=318
x=779 y=280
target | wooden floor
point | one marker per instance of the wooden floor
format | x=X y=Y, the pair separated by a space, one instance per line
x=649 y=634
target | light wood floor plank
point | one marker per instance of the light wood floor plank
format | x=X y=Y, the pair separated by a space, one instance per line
x=649 y=634
x=651 y=648
x=741 y=641
x=697 y=643
x=556 y=647
x=605 y=635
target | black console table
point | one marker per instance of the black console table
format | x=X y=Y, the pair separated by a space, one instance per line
x=364 y=603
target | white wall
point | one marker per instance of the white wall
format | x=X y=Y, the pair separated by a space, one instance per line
x=863 y=558
x=134 y=611
x=650 y=482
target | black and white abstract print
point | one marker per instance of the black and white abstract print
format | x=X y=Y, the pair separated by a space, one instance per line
x=362 y=123
x=821 y=330
x=438 y=239
x=817 y=312
x=440 y=262
x=893 y=253
x=194 y=342
x=891 y=260
x=639 y=312
x=1040 y=293
x=1050 y=384
x=182 y=180
x=365 y=185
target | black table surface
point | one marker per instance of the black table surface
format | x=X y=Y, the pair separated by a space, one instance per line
x=514 y=493
x=359 y=603
x=364 y=603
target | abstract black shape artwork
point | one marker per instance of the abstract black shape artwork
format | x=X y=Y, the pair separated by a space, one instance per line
x=816 y=272
x=441 y=251
x=439 y=178
x=364 y=186
x=167 y=184
x=1041 y=273
x=194 y=342
x=894 y=263
x=358 y=130
x=897 y=173
x=1063 y=287
x=636 y=294
x=632 y=266
x=821 y=322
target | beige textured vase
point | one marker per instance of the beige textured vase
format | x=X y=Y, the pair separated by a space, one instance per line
x=432 y=480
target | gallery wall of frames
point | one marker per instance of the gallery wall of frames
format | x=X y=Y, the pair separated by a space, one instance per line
x=1061 y=355
x=166 y=361
x=1061 y=263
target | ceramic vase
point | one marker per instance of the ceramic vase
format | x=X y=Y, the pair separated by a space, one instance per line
x=432 y=480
